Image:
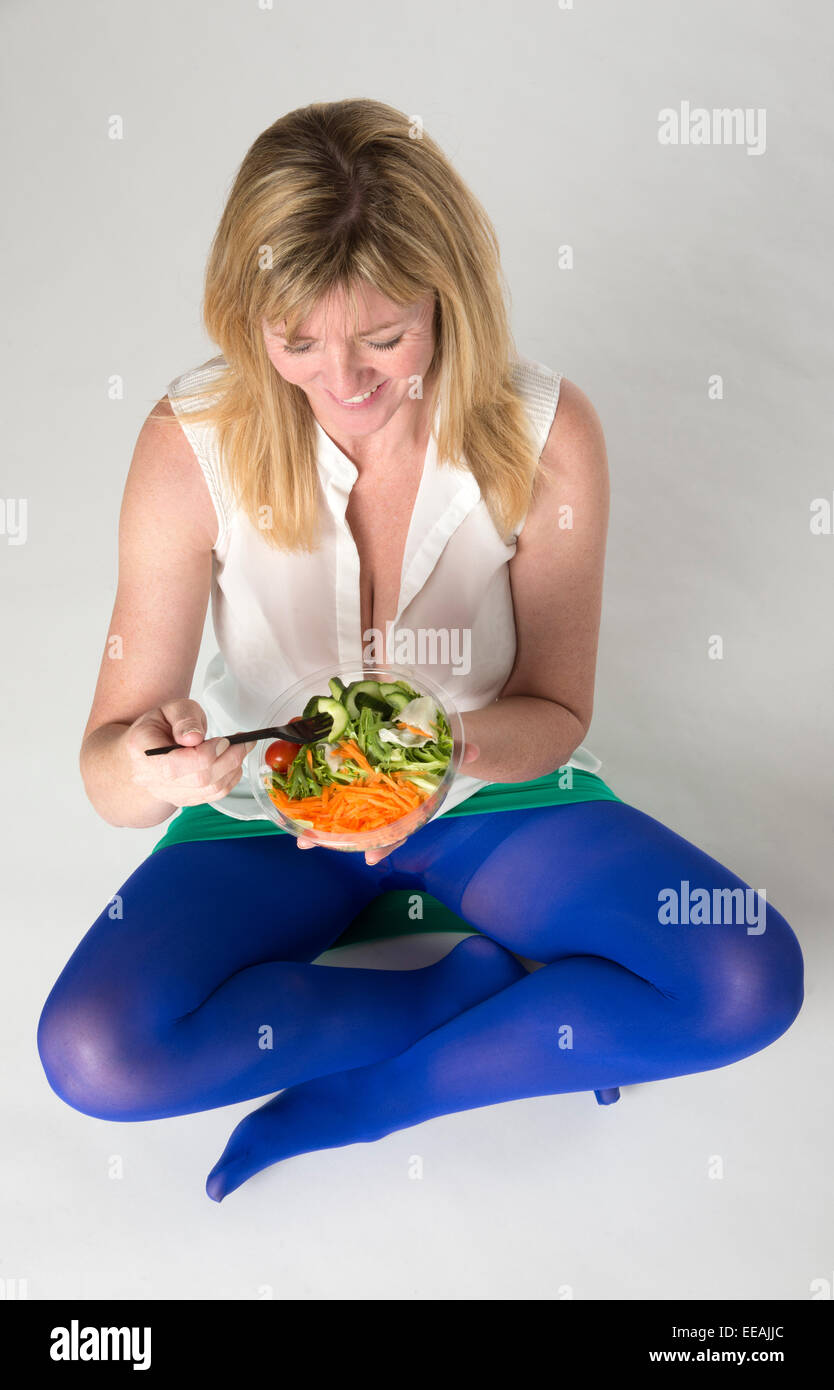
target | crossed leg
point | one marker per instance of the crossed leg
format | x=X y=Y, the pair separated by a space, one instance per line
x=194 y=988
x=624 y=996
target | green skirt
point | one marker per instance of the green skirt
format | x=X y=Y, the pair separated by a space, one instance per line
x=389 y=915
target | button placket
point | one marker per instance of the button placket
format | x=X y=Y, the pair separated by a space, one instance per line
x=422 y=565
x=444 y=499
x=349 y=608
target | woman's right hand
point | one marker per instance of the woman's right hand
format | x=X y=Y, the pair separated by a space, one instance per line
x=199 y=771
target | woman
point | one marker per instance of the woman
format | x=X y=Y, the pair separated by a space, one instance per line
x=370 y=454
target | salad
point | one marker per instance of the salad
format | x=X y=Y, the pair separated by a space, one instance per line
x=387 y=750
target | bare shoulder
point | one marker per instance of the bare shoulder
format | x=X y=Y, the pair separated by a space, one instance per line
x=576 y=438
x=573 y=466
x=165 y=480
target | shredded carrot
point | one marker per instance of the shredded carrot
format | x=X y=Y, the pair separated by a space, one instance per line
x=310 y=759
x=351 y=749
x=412 y=729
x=367 y=805
x=384 y=778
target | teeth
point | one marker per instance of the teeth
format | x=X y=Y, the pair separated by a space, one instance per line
x=354 y=400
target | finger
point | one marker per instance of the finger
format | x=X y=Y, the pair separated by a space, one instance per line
x=215 y=791
x=373 y=856
x=227 y=757
x=187 y=720
x=150 y=730
x=211 y=762
x=471 y=752
x=180 y=765
x=196 y=796
x=184 y=768
x=210 y=779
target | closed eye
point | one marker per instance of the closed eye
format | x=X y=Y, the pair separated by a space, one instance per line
x=381 y=347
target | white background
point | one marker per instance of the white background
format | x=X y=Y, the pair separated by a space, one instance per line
x=689 y=261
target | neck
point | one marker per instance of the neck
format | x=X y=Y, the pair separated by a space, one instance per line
x=406 y=433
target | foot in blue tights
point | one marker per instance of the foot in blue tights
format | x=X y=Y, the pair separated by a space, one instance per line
x=623 y=1031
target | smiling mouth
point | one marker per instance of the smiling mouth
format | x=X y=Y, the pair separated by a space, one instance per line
x=360 y=399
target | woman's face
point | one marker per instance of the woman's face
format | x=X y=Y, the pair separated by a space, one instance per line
x=395 y=346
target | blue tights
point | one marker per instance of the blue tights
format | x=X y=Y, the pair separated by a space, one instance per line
x=194 y=988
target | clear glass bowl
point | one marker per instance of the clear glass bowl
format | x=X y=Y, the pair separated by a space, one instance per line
x=292 y=703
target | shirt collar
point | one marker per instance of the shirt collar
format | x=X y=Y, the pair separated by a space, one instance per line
x=339 y=468
x=336 y=465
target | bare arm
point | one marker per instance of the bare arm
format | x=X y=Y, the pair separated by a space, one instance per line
x=167 y=528
x=556 y=574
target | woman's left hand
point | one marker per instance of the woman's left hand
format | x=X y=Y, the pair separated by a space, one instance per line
x=373 y=856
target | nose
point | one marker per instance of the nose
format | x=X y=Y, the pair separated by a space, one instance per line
x=345 y=376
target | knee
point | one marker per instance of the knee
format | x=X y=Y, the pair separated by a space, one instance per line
x=759 y=987
x=82 y=1055
x=784 y=972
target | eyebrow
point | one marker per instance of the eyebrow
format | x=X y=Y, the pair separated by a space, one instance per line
x=363 y=332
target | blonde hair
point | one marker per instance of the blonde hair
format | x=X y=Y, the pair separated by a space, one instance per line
x=333 y=195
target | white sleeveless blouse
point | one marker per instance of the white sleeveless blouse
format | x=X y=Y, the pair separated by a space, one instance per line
x=278 y=616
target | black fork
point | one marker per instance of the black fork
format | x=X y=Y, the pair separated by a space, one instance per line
x=300 y=731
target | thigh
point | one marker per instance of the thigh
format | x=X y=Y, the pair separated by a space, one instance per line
x=194 y=913
x=595 y=878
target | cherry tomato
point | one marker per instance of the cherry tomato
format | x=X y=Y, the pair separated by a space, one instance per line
x=280 y=754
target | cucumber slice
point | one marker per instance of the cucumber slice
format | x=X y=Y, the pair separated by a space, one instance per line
x=366 y=688
x=371 y=702
x=387 y=689
x=337 y=688
x=311 y=707
x=338 y=713
x=397 y=699
x=404 y=685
